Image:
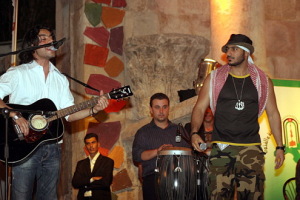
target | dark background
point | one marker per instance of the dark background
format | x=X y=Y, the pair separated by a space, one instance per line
x=30 y=13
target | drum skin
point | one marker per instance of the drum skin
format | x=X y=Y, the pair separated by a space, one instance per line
x=175 y=174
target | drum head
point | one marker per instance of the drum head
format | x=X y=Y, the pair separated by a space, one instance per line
x=176 y=151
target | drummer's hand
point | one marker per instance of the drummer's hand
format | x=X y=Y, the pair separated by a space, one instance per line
x=164 y=146
x=196 y=140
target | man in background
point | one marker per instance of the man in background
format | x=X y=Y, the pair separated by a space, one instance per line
x=93 y=175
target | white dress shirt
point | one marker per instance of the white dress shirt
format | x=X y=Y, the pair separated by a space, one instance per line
x=26 y=83
x=92 y=164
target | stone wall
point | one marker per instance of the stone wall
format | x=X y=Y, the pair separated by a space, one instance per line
x=282 y=38
x=164 y=42
x=161 y=63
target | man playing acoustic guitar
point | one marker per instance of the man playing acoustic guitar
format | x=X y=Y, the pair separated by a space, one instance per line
x=37 y=78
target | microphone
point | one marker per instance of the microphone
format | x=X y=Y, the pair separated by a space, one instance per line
x=178 y=134
x=203 y=146
x=56 y=44
x=52 y=46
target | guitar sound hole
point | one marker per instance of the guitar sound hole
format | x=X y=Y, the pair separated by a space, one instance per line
x=38 y=122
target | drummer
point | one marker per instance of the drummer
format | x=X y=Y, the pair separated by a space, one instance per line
x=155 y=136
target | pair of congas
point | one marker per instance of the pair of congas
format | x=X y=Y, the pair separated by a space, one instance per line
x=179 y=175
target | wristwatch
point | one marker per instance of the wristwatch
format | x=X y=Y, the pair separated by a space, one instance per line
x=281 y=147
x=17 y=116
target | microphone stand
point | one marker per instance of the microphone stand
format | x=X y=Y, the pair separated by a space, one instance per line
x=81 y=83
x=183 y=133
x=5 y=112
x=34 y=47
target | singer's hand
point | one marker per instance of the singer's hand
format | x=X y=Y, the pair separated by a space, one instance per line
x=196 y=140
x=279 y=158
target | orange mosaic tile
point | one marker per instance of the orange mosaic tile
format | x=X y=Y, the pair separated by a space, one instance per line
x=117 y=154
x=95 y=55
x=115 y=106
x=112 y=17
x=114 y=66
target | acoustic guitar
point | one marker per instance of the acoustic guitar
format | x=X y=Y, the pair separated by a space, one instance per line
x=43 y=128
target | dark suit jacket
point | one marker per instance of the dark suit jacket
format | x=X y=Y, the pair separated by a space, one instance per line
x=100 y=188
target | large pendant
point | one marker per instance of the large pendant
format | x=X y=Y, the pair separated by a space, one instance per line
x=240 y=105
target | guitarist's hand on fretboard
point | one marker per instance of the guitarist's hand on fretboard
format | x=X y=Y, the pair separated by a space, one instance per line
x=101 y=104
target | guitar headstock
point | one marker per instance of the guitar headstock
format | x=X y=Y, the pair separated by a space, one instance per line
x=120 y=93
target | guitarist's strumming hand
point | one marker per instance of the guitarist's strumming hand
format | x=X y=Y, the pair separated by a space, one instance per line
x=22 y=123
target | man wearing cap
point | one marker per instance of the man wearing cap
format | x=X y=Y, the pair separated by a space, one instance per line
x=237 y=93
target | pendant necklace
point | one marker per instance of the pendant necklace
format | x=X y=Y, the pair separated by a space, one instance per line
x=240 y=105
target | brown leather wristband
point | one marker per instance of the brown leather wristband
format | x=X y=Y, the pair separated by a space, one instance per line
x=281 y=147
x=193 y=133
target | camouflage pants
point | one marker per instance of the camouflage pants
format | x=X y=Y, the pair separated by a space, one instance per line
x=239 y=167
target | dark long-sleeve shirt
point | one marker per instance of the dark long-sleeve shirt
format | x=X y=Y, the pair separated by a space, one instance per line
x=151 y=137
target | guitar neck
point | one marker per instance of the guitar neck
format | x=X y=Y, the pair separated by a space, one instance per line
x=73 y=109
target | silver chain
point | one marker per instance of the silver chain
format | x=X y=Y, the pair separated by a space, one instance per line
x=240 y=105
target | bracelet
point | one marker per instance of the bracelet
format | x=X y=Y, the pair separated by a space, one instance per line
x=193 y=133
x=17 y=116
x=281 y=147
x=92 y=111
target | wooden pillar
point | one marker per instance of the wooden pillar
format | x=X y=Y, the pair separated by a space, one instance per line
x=238 y=17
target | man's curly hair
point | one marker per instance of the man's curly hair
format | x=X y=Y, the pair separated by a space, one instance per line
x=31 y=39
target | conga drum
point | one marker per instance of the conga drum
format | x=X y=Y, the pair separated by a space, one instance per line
x=175 y=174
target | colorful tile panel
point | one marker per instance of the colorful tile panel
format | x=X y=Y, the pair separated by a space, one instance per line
x=95 y=55
x=98 y=34
x=114 y=66
x=108 y=133
x=112 y=17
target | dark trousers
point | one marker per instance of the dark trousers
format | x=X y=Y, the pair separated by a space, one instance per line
x=149 y=187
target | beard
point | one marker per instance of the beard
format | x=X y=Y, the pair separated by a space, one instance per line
x=239 y=60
